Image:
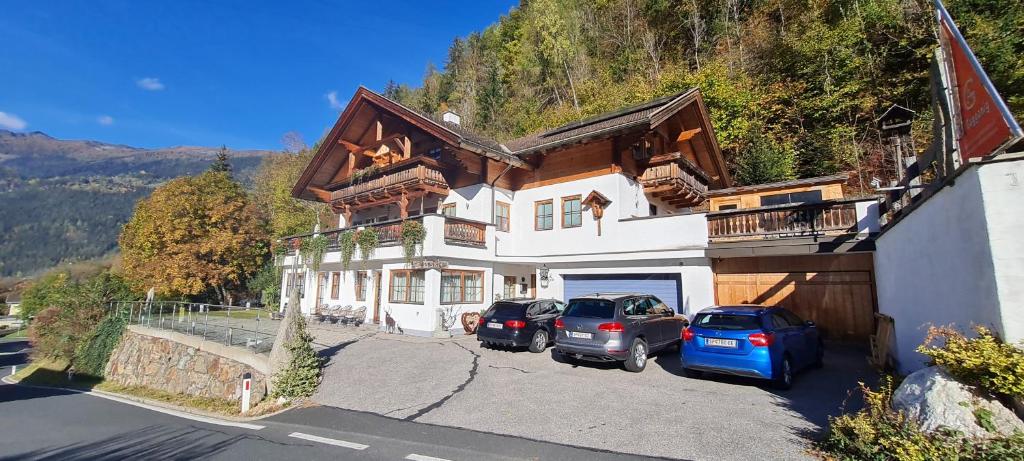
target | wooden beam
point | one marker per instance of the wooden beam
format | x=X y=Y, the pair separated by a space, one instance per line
x=687 y=135
x=352 y=147
x=380 y=130
x=321 y=194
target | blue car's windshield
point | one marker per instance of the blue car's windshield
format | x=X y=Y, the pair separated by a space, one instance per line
x=591 y=308
x=727 y=322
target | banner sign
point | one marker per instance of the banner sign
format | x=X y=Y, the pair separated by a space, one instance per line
x=985 y=124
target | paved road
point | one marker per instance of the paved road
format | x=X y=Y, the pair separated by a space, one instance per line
x=42 y=424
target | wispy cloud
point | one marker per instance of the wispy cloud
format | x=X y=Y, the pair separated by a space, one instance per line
x=150 y=84
x=11 y=122
x=105 y=120
x=332 y=98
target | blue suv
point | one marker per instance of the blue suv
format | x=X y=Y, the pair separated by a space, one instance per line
x=754 y=341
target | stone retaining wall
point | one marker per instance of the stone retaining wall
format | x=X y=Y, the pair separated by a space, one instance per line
x=184 y=364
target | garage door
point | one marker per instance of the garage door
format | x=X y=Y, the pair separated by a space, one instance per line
x=667 y=287
x=841 y=302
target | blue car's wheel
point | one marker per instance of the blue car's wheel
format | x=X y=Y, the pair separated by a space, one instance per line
x=783 y=379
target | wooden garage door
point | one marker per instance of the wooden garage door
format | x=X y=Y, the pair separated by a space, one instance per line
x=841 y=303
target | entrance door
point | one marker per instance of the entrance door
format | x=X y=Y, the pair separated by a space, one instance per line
x=376 y=297
x=321 y=286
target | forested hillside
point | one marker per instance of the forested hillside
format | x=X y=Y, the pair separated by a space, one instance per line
x=793 y=86
x=64 y=201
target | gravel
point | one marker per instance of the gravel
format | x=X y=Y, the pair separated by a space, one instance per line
x=455 y=382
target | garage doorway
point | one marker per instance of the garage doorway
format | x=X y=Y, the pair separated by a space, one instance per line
x=667 y=287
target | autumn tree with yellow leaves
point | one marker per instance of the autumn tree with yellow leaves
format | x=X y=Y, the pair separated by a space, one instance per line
x=192 y=235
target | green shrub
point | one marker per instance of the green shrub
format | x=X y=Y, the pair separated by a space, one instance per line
x=877 y=432
x=302 y=375
x=91 y=357
x=984 y=361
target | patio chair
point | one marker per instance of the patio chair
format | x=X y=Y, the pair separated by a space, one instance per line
x=356 y=316
x=339 y=313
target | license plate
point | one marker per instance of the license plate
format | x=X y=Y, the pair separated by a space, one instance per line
x=494 y=325
x=580 y=335
x=719 y=342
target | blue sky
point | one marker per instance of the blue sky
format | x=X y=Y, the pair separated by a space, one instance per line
x=241 y=73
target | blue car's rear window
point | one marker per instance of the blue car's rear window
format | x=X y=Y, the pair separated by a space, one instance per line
x=727 y=322
x=590 y=308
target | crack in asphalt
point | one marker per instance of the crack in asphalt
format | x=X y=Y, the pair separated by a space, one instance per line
x=510 y=368
x=459 y=388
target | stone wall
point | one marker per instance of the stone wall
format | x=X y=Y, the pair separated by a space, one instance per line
x=184 y=364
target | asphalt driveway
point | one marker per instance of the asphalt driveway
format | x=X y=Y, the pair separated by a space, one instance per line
x=655 y=413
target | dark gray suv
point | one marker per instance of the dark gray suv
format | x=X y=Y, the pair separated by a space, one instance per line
x=624 y=327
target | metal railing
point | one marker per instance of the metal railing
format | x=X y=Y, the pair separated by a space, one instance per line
x=801 y=220
x=251 y=328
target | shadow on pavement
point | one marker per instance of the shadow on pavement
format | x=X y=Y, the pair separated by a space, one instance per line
x=152 y=442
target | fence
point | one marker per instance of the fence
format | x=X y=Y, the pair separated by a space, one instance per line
x=252 y=328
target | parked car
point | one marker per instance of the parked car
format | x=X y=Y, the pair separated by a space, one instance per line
x=520 y=322
x=755 y=341
x=623 y=327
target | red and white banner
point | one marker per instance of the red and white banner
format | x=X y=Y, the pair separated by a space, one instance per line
x=984 y=123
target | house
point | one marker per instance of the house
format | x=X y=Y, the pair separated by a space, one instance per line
x=616 y=202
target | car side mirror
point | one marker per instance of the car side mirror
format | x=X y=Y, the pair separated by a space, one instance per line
x=809 y=323
x=686 y=323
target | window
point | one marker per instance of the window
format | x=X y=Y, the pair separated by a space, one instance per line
x=727 y=322
x=792 y=318
x=731 y=206
x=509 y=288
x=590 y=308
x=501 y=216
x=361 y=278
x=780 y=322
x=792 y=197
x=572 y=212
x=635 y=306
x=335 y=284
x=543 y=213
x=462 y=287
x=407 y=286
x=448 y=209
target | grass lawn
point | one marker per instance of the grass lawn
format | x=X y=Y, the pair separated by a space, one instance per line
x=246 y=314
x=22 y=333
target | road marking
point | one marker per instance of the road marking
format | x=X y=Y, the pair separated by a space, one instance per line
x=336 y=442
x=415 y=457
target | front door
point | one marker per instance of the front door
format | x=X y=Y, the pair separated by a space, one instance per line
x=321 y=286
x=376 y=297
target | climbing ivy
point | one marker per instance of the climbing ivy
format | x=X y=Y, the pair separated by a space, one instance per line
x=347 y=245
x=92 y=356
x=302 y=375
x=368 y=241
x=313 y=250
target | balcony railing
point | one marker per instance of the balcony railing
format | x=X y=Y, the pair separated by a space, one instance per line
x=463 y=232
x=803 y=220
x=389 y=184
x=675 y=183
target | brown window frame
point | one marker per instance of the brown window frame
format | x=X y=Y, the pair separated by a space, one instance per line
x=462 y=286
x=567 y=199
x=536 y=216
x=503 y=223
x=447 y=206
x=335 y=285
x=360 y=286
x=408 y=286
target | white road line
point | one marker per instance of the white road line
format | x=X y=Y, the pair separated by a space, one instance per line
x=336 y=442
x=415 y=457
x=180 y=414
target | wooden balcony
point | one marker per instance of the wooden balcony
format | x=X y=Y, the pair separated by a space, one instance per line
x=412 y=180
x=678 y=183
x=464 y=232
x=784 y=221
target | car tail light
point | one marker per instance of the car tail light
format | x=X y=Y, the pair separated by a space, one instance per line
x=611 y=327
x=762 y=339
x=559 y=324
x=687 y=334
x=515 y=324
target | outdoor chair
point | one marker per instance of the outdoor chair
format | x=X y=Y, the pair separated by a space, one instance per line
x=339 y=313
x=356 y=316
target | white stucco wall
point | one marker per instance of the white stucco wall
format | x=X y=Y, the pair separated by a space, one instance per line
x=957 y=259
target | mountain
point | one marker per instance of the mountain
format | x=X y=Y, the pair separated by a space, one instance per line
x=63 y=201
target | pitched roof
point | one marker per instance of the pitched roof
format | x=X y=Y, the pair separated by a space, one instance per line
x=638 y=115
x=841 y=177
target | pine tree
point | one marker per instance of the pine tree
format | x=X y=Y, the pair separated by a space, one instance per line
x=221 y=163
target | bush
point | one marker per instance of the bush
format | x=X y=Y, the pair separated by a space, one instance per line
x=91 y=357
x=302 y=375
x=877 y=432
x=984 y=361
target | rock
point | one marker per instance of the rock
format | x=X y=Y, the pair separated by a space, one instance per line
x=936 y=400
